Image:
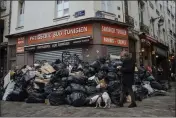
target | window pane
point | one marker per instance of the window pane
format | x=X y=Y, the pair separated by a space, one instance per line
x=21 y=20
x=66 y=12
x=66 y=5
x=59 y=7
x=60 y=13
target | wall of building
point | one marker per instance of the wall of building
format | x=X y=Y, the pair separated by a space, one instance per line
x=133 y=11
x=37 y=15
x=5 y=16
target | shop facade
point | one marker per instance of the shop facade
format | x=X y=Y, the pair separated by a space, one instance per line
x=147 y=54
x=89 y=40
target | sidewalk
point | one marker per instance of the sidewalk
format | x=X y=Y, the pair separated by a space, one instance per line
x=150 y=107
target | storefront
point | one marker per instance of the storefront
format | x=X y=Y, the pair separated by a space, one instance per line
x=88 y=40
x=147 y=50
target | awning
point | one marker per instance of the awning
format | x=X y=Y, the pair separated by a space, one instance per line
x=147 y=37
x=52 y=45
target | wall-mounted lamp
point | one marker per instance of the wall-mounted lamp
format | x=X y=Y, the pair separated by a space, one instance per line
x=143 y=50
x=156 y=56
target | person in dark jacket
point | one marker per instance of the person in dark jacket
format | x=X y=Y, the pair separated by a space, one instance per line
x=127 y=70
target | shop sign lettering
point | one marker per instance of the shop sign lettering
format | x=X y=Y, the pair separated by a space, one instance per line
x=56 y=45
x=114 y=41
x=61 y=34
x=20 y=49
x=114 y=31
x=20 y=41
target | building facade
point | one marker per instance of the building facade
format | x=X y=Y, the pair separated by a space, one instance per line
x=4 y=30
x=91 y=29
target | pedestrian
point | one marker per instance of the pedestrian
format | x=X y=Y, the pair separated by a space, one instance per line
x=127 y=70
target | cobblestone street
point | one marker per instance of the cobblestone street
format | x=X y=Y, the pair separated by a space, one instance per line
x=150 y=107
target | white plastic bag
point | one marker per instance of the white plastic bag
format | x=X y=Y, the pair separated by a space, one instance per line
x=8 y=90
x=7 y=79
x=148 y=87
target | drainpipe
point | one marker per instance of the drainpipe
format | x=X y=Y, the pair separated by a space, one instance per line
x=10 y=13
x=8 y=48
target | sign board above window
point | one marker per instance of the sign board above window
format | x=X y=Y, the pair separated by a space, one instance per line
x=79 y=13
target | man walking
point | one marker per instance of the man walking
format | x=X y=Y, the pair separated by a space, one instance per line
x=127 y=70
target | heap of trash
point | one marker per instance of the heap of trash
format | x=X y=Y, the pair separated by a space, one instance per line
x=74 y=84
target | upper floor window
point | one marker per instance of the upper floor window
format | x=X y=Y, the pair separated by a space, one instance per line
x=62 y=8
x=151 y=5
x=21 y=12
x=161 y=7
x=169 y=23
x=106 y=6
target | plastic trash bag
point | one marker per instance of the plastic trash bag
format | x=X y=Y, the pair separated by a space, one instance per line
x=104 y=68
x=76 y=99
x=113 y=85
x=36 y=97
x=111 y=76
x=62 y=73
x=148 y=87
x=7 y=79
x=92 y=83
x=90 y=90
x=75 y=88
x=115 y=96
x=8 y=90
x=59 y=66
x=96 y=65
x=57 y=97
x=156 y=85
x=101 y=75
x=78 y=80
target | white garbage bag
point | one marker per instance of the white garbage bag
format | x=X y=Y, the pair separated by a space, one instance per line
x=148 y=87
x=7 y=79
x=9 y=89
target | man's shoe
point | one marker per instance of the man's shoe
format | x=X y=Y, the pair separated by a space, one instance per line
x=132 y=105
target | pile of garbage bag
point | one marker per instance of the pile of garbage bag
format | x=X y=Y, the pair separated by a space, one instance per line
x=73 y=84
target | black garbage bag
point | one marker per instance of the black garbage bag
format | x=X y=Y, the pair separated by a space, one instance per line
x=59 y=66
x=91 y=83
x=36 y=97
x=116 y=63
x=17 y=95
x=75 y=88
x=156 y=85
x=96 y=65
x=90 y=90
x=58 y=61
x=115 y=96
x=62 y=73
x=64 y=82
x=76 y=99
x=89 y=72
x=74 y=68
x=57 y=97
x=78 y=80
x=104 y=68
x=1 y=92
x=112 y=69
x=111 y=76
x=113 y=85
x=101 y=75
x=141 y=93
